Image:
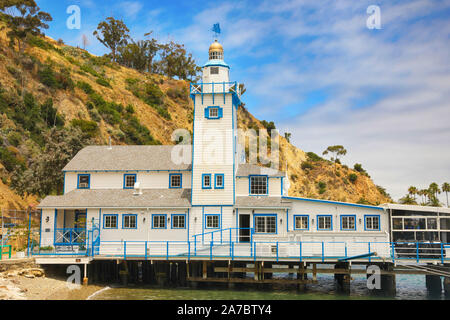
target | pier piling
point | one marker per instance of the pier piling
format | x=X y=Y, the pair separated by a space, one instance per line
x=434 y=286
x=447 y=287
x=342 y=280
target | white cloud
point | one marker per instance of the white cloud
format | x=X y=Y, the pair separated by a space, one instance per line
x=400 y=74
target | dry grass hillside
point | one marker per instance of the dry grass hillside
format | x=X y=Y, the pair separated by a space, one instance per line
x=160 y=104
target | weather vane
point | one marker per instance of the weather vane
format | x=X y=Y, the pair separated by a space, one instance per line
x=216 y=30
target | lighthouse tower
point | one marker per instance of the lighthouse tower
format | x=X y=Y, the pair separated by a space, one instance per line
x=215 y=121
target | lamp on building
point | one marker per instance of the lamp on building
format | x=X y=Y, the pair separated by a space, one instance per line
x=281 y=221
x=312 y=221
x=360 y=220
x=144 y=219
x=47 y=219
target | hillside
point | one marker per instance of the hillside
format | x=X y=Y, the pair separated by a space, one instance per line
x=107 y=100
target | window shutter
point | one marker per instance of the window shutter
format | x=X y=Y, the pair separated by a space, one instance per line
x=220 y=113
x=206 y=113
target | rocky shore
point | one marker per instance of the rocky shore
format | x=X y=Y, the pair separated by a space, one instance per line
x=24 y=280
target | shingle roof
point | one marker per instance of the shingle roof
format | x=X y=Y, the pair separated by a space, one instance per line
x=128 y=158
x=250 y=169
x=118 y=198
x=261 y=202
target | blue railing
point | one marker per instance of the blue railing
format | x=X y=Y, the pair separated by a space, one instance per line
x=70 y=236
x=223 y=234
x=264 y=250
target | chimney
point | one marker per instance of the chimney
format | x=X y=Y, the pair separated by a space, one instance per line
x=137 y=189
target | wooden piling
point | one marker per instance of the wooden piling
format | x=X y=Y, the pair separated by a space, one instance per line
x=434 y=286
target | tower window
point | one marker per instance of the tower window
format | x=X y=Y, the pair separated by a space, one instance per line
x=258 y=185
x=84 y=181
x=207 y=181
x=175 y=181
x=214 y=113
x=215 y=55
x=214 y=70
x=220 y=181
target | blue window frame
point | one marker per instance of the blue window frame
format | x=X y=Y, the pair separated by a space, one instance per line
x=129 y=221
x=213 y=113
x=129 y=180
x=178 y=221
x=175 y=181
x=372 y=223
x=84 y=181
x=348 y=223
x=206 y=181
x=258 y=185
x=301 y=222
x=265 y=223
x=111 y=221
x=325 y=222
x=159 y=221
x=219 y=181
x=212 y=221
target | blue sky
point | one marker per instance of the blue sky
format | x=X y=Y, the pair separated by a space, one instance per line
x=315 y=69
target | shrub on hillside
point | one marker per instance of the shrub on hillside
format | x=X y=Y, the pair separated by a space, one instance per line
x=88 y=127
x=306 y=165
x=86 y=87
x=314 y=157
x=103 y=82
x=353 y=177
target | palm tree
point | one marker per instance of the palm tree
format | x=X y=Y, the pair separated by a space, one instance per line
x=434 y=189
x=408 y=200
x=413 y=192
x=446 y=189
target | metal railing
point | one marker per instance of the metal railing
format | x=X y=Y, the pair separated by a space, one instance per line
x=225 y=235
x=262 y=250
x=70 y=236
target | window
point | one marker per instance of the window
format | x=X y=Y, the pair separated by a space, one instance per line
x=214 y=70
x=348 y=223
x=258 y=185
x=129 y=181
x=159 y=222
x=206 y=181
x=220 y=181
x=84 y=181
x=372 y=223
x=324 y=223
x=213 y=113
x=265 y=223
x=175 y=181
x=397 y=223
x=178 y=222
x=301 y=222
x=213 y=222
x=129 y=221
x=110 y=222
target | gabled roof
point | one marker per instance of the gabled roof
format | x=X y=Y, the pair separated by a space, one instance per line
x=245 y=170
x=129 y=158
x=119 y=198
x=254 y=202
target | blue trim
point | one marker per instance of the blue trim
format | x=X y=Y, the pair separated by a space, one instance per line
x=193 y=145
x=324 y=216
x=165 y=221
x=301 y=216
x=187 y=222
x=40 y=231
x=125 y=180
x=111 y=215
x=351 y=216
x=213 y=215
x=129 y=215
x=250 y=185
x=219 y=113
x=203 y=181
x=287 y=220
x=170 y=180
x=216 y=63
x=78 y=180
x=64 y=186
x=178 y=215
x=55 y=225
x=234 y=153
x=265 y=215
x=372 y=216
x=335 y=202
x=223 y=181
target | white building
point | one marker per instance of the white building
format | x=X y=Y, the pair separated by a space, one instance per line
x=143 y=201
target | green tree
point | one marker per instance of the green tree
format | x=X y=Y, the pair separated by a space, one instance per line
x=408 y=200
x=434 y=189
x=337 y=152
x=176 y=62
x=44 y=174
x=446 y=189
x=288 y=136
x=23 y=18
x=114 y=34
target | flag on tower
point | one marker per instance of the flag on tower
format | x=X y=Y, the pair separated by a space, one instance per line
x=216 y=29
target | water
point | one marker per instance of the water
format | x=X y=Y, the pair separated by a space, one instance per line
x=409 y=287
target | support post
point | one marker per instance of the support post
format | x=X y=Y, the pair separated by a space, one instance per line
x=342 y=280
x=447 y=287
x=85 y=278
x=434 y=286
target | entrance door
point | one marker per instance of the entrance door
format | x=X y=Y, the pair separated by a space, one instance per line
x=244 y=225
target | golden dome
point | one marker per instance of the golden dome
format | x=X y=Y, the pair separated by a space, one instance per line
x=216 y=46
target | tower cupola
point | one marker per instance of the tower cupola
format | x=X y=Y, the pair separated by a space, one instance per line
x=216 y=51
